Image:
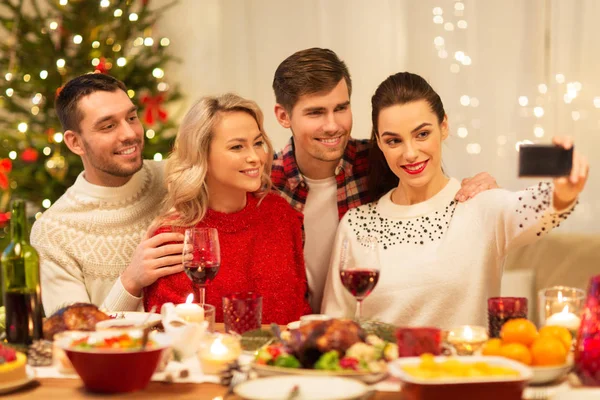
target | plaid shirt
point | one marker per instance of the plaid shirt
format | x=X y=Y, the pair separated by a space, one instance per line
x=350 y=174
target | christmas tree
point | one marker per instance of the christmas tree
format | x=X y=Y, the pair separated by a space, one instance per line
x=43 y=44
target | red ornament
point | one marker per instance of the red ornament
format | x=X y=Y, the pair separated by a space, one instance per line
x=4 y=218
x=58 y=91
x=29 y=155
x=102 y=67
x=153 y=108
x=5 y=168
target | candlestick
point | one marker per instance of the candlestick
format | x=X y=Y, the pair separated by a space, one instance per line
x=467 y=339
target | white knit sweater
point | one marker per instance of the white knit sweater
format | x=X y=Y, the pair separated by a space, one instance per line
x=87 y=238
x=440 y=260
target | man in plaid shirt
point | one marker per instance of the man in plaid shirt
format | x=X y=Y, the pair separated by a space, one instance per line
x=312 y=91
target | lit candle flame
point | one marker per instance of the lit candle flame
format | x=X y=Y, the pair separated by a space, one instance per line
x=218 y=348
x=468 y=333
x=566 y=309
x=190 y=299
x=560 y=297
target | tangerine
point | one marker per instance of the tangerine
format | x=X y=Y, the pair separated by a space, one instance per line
x=516 y=351
x=559 y=332
x=519 y=330
x=492 y=347
x=548 y=350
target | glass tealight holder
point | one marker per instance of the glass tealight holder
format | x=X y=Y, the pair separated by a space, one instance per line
x=561 y=306
x=217 y=351
x=466 y=340
x=503 y=309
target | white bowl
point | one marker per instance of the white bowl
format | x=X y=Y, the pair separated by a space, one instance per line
x=549 y=374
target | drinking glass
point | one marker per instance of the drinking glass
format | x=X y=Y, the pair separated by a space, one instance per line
x=359 y=268
x=242 y=312
x=414 y=341
x=203 y=244
x=503 y=309
x=587 y=349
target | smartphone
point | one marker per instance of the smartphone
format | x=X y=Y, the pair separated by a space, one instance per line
x=541 y=160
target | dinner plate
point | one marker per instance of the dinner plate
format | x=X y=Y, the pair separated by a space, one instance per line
x=309 y=388
x=137 y=317
x=578 y=394
x=12 y=386
x=270 y=370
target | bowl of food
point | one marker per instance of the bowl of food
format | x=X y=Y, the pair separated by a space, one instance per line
x=114 y=362
x=550 y=373
x=468 y=377
x=336 y=347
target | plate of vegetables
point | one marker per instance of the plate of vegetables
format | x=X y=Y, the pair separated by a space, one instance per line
x=327 y=348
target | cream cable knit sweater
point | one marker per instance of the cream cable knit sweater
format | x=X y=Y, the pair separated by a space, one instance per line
x=87 y=238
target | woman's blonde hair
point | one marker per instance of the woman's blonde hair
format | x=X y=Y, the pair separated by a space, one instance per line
x=186 y=168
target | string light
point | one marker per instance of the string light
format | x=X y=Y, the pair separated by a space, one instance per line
x=542 y=88
x=438 y=11
x=474 y=102
x=43 y=74
x=438 y=41
x=105 y=3
x=138 y=41
x=95 y=62
x=118 y=12
x=95 y=44
x=116 y=48
x=162 y=87
x=597 y=102
x=47 y=150
x=165 y=42
x=459 y=55
x=46 y=203
x=466 y=60
x=560 y=78
x=58 y=137
x=158 y=73
x=462 y=24
x=12 y=155
x=538 y=131
x=458 y=6
x=449 y=26
x=110 y=41
x=10 y=92
x=158 y=157
x=473 y=148
x=35 y=110
x=148 y=41
x=465 y=100
x=576 y=115
x=462 y=132
x=538 y=112
x=150 y=134
x=519 y=144
x=8 y=76
x=133 y=17
x=77 y=39
x=130 y=93
x=523 y=101
x=53 y=25
x=442 y=54
x=121 y=61
x=37 y=98
x=22 y=127
x=63 y=2
x=438 y=19
x=60 y=63
x=38 y=215
x=26 y=78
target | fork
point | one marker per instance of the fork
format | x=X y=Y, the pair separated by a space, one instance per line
x=236 y=378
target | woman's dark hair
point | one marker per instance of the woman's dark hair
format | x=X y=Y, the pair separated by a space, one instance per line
x=400 y=88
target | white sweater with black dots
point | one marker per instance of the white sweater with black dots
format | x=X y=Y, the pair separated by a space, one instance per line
x=440 y=260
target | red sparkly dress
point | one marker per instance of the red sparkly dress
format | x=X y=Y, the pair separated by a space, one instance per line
x=261 y=252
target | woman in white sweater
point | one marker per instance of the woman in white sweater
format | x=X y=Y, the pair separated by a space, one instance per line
x=440 y=260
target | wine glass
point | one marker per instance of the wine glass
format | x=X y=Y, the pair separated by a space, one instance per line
x=203 y=244
x=359 y=267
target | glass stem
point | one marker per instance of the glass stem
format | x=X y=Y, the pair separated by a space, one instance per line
x=201 y=293
x=359 y=309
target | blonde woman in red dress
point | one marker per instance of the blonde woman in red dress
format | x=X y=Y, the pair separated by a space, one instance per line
x=218 y=177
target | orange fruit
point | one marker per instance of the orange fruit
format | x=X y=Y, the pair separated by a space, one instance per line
x=559 y=332
x=548 y=350
x=519 y=330
x=492 y=347
x=516 y=351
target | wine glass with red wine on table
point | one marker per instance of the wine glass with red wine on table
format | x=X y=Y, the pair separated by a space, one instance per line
x=359 y=267
x=203 y=244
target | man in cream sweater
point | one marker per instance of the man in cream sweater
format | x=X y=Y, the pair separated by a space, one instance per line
x=94 y=242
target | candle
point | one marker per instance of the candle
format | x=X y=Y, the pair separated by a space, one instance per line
x=217 y=352
x=189 y=311
x=467 y=339
x=565 y=318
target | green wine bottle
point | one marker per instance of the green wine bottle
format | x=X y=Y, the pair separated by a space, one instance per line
x=21 y=282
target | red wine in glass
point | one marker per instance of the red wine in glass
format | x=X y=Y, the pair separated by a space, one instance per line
x=201 y=273
x=359 y=282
